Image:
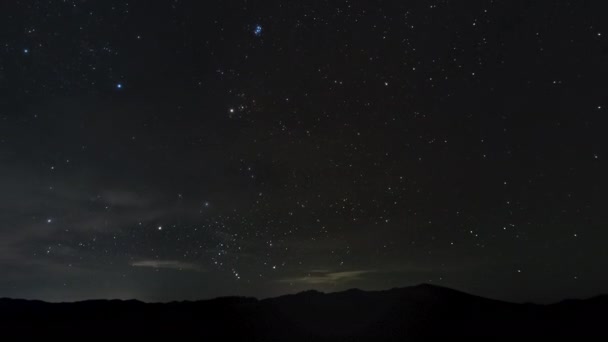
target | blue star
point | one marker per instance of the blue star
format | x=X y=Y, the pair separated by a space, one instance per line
x=119 y=86
x=258 y=30
x=26 y=51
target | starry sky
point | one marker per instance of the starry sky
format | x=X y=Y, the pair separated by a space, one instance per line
x=176 y=149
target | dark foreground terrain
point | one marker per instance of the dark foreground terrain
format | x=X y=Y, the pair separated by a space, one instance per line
x=418 y=312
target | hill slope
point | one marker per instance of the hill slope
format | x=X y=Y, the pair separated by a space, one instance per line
x=420 y=311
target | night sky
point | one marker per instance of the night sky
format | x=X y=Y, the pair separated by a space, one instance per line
x=170 y=150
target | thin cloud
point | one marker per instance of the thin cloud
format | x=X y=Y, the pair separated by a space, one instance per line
x=122 y=198
x=167 y=264
x=322 y=277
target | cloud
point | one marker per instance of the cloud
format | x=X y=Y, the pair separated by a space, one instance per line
x=123 y=198
x=322 y=277
x=169 y=264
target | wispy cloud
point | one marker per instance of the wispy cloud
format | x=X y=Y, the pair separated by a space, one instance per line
x=123 y=198
x=322 y=277
x=169 y=264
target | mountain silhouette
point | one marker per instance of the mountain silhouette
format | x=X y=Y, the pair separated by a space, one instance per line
x=423 y=311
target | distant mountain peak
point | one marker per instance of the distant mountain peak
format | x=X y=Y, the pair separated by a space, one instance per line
x=311 y=292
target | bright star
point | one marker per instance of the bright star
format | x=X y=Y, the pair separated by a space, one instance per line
x=258 y=30
x=26 y=51
x=119 y=86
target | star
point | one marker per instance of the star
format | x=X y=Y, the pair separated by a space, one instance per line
x=119 y=86
x=26 y=51
x=160 y=227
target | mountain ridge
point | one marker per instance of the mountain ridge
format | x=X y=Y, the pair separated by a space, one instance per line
x=428 y=286
x=421 y=311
